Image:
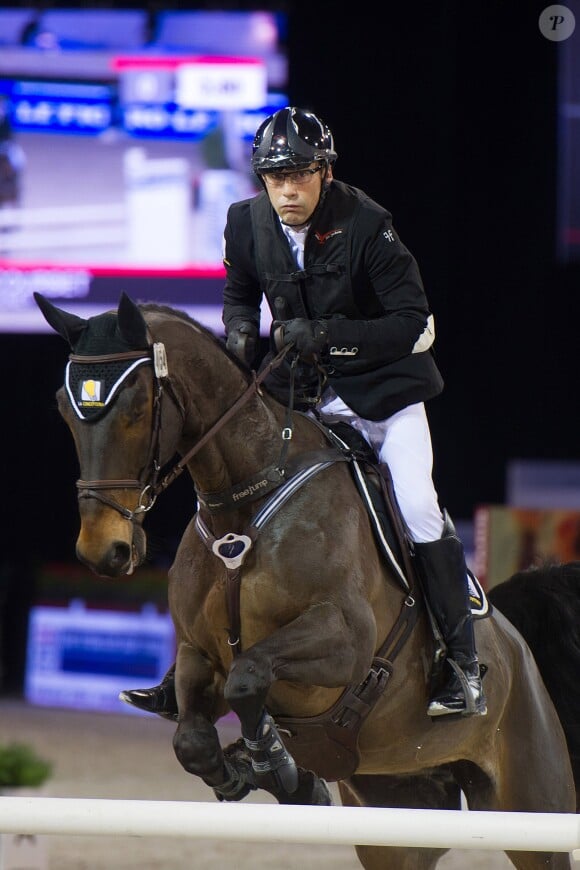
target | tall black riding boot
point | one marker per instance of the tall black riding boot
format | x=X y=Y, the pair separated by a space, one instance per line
x=159 y=699
x=443 y=572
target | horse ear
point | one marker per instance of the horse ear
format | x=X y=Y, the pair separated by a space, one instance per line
x=131 y=322
x=69 y=326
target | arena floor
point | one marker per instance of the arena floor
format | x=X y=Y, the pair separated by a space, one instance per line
x=129 y=756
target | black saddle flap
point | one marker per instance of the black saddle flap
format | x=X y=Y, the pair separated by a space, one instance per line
x=367 y=477
x=356 y=443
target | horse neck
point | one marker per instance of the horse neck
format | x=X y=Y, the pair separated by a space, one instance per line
x=207 y=383
x=247 y=443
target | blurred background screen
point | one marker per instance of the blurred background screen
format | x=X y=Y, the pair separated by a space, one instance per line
x=122 y=142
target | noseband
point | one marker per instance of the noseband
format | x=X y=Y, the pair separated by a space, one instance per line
x=150 y=489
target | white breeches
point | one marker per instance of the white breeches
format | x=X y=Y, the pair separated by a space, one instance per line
x=403 y=442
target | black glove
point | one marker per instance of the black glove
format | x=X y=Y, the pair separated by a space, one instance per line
x=308 y=337
x=242 y=339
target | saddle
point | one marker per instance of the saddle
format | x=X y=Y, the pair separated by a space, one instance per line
x=375 y=487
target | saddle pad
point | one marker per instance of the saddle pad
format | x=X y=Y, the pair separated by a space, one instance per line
x=386 y=540
x=478 y=600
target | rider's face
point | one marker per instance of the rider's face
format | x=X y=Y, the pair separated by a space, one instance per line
x=295 y=195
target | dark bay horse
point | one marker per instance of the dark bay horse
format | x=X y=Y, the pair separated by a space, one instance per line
x=280 y=598
x=543 y=603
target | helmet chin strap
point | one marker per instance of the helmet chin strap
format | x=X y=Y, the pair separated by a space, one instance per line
x=325 y=185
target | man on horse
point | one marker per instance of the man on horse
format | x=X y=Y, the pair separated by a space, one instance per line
x=347 y=294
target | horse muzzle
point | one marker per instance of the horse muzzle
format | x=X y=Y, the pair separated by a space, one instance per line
x=115 y=553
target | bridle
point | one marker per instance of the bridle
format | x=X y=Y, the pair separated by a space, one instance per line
x=97 y=489
x=154 y=485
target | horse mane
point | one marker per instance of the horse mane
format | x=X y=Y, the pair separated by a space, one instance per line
x=158 y=308
x=179 y=314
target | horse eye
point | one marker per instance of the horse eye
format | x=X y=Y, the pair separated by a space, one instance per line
x=137 y=409
x=137 y=406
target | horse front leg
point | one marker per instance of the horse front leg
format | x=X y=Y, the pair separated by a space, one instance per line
x=263 y=761
x=314 y=649
x=196 y=742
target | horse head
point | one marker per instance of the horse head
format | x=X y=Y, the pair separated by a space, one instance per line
x=111 y=403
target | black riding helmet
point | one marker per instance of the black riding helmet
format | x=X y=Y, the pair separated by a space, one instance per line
x=291 y=138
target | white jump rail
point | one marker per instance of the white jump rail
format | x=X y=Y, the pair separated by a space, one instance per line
x=267 y=823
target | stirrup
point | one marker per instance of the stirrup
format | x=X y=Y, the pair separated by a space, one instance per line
x=467 y=699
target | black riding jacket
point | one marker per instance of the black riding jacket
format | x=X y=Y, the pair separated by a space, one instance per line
x=358 y=277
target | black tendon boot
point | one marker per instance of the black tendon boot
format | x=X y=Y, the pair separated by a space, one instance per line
x=159 y=699
x=443 y=573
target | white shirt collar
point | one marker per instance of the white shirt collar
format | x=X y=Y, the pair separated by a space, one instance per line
x=296 y=237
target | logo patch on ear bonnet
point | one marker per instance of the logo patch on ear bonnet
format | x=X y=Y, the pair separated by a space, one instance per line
x=91 y=392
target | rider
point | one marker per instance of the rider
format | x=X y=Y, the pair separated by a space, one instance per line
x=342 y=287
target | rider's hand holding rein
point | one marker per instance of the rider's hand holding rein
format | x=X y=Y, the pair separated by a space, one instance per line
x=243 y=340
x=308 y=337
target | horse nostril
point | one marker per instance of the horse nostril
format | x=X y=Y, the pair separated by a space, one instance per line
x=119 y=555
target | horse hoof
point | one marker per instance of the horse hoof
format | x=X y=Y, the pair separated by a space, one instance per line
x=241 y=781
x=312 y=791
x=321 y=796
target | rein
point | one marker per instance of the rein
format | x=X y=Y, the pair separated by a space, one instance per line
x=253 y=388
x=149 y=491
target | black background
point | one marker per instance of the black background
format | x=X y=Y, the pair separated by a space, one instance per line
x=446 y=114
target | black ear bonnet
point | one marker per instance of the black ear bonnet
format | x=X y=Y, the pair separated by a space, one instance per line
x=93 y=385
